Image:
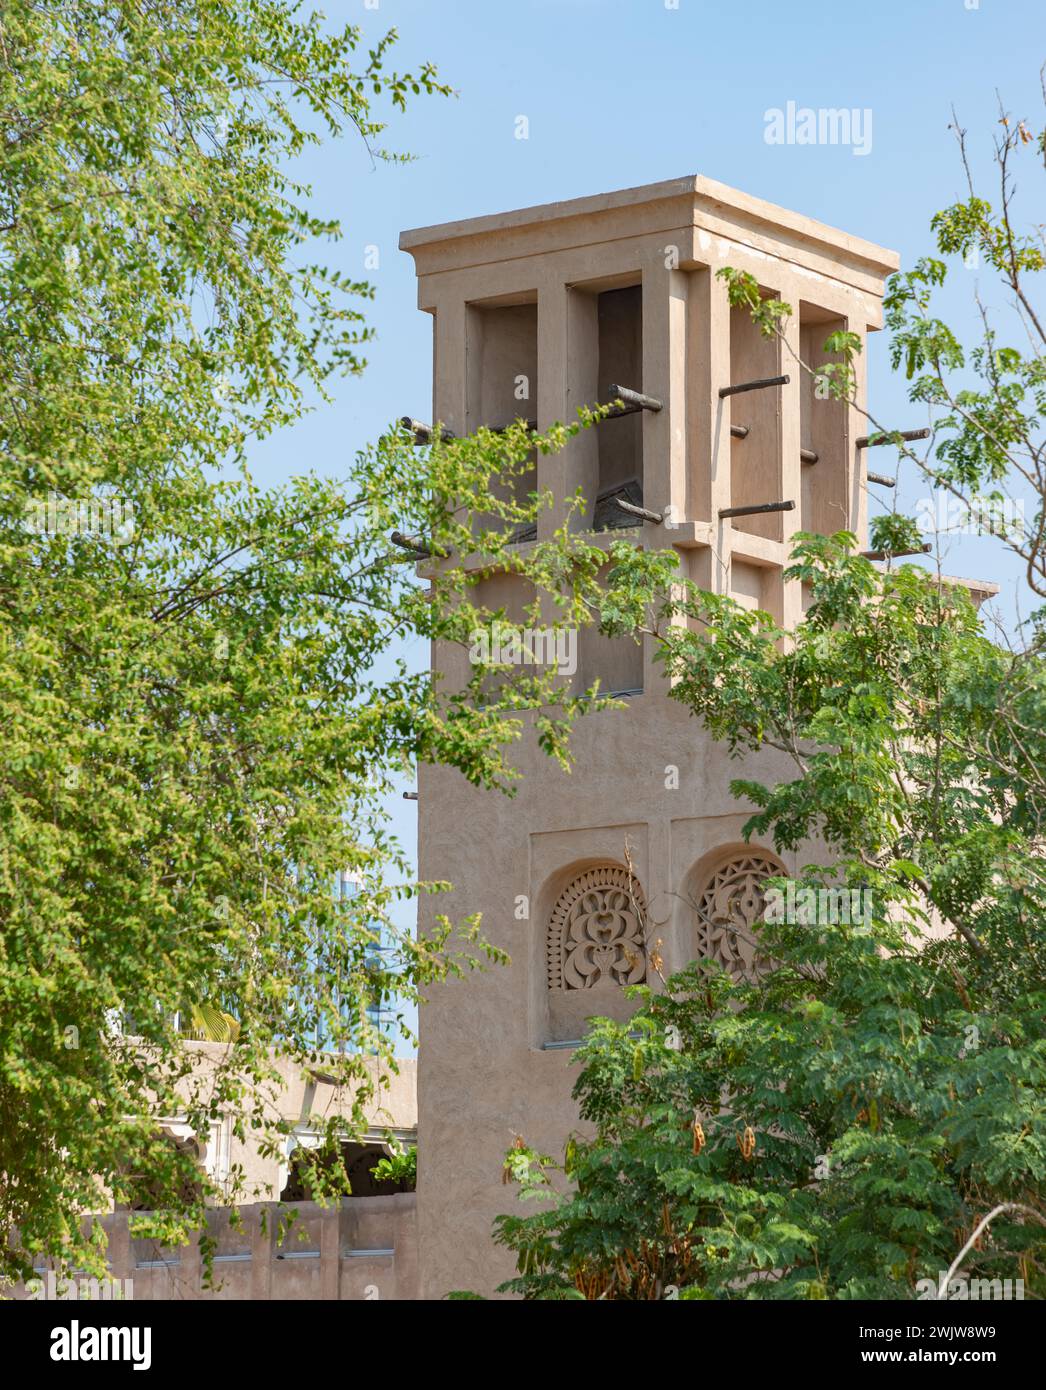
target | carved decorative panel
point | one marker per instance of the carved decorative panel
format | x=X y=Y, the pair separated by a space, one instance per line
x=730 y=906
x=596 y=931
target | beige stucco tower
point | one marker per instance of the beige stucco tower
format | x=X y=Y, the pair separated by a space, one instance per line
x=535 y=313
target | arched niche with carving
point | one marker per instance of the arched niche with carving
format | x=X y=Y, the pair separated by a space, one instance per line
x=595 y=943
x=728 y=900
x=596 y=931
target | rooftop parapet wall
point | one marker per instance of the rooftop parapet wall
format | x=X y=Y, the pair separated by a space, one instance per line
x=365 y=1248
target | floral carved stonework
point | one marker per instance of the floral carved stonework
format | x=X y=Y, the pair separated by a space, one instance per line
x=595 y=933
x=729 y=908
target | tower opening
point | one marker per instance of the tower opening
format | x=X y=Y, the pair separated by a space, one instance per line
x=620 y=441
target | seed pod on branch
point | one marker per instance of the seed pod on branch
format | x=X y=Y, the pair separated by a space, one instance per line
x=746 y=1143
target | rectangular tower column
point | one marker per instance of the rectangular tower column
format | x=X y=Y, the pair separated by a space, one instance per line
x=790 y=594
x=666 y=294
x=708 y=485
x=449 y=381
x=568 y=353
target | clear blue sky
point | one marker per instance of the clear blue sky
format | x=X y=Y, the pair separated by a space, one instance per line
x=626 y=92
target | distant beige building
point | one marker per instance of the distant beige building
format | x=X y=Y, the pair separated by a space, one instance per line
x=364 y=1249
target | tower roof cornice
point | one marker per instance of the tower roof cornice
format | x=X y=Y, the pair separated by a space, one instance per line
x=711 y=209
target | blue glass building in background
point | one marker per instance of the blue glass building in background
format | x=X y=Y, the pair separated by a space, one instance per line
x=383 y=1014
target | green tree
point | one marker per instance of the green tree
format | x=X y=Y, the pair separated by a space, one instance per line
x=865 y=1114
x=401 y=1167
x=201 y=715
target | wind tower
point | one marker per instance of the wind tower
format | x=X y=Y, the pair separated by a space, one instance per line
x=725 y=440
